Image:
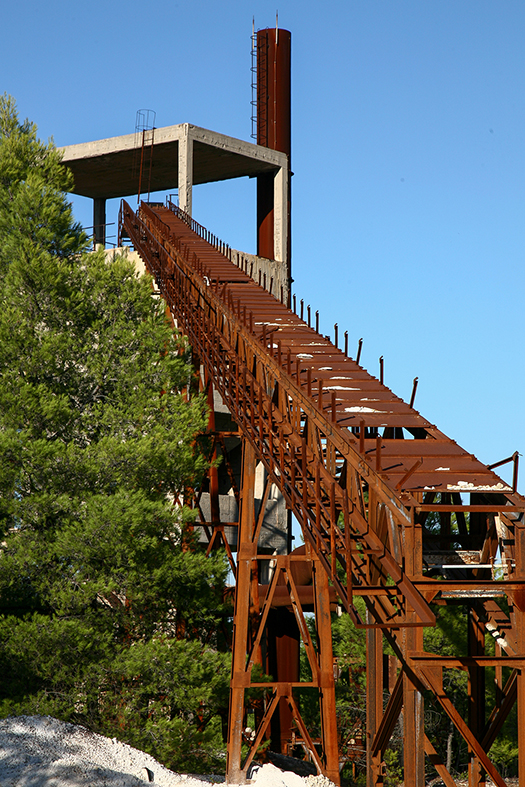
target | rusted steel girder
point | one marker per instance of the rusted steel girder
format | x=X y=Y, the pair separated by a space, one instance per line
x=391 y=509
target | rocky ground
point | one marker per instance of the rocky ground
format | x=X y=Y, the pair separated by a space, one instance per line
x=39 y=751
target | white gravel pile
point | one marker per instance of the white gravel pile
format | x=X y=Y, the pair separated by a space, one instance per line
x=270 y=776
x=39 y=751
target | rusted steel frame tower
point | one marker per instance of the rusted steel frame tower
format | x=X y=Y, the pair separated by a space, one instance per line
x=391 y=510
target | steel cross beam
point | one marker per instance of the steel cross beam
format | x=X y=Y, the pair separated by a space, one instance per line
x=390 y=508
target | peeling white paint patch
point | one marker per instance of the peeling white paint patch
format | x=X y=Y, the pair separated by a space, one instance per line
x=341 y=378
x=468 y=486
x=502 y=642
x=442 y=468
x=361 y=410
x=339 y=388
x=326 y=369
x=366 y=399
x=304 y=355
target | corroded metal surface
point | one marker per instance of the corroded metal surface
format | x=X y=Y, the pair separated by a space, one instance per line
x=391 y=510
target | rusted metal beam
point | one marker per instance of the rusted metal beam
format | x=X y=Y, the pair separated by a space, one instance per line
x=435 y=683
x=437 y=762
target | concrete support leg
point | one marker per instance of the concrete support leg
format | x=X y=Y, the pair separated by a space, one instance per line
x=99 y=222
x=185 y=170
x=280 y=201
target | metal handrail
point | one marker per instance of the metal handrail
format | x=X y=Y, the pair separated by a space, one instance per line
x=199 y=230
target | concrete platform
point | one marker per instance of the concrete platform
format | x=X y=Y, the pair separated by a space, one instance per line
x=104 y=168
x=175 y=157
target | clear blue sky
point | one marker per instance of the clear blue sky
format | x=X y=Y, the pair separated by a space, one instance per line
x=408 y=153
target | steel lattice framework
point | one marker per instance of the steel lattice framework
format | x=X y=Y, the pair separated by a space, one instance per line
x=366 y=476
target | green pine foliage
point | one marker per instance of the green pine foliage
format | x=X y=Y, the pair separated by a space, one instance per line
x=107 y=617
x=349 y=644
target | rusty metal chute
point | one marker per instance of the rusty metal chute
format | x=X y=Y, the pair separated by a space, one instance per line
x=364 y=474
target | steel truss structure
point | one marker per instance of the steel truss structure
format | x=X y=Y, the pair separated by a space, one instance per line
x=391 y=511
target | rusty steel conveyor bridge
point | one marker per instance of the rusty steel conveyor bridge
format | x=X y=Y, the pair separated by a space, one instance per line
x=391 y=510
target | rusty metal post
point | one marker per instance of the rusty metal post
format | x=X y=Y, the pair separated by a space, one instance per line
x=412 y=640
x=413 y=721
x=519 y=613
x=476 y=694
x=245 y=556
x=326 y=672
x=521 y=719
x=374 y=699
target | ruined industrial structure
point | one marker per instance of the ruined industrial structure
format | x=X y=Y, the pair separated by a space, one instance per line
x=391 y=509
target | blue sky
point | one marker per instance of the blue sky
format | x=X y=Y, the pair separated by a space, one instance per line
x=408 y=152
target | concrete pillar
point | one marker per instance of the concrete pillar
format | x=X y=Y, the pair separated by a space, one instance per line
x=280 y=213
x=99 y=222
x=185 y=170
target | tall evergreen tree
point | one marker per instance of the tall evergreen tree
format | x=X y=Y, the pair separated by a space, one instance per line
x=106 y=618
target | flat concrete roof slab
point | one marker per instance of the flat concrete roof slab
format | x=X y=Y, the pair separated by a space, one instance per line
x=109 y=168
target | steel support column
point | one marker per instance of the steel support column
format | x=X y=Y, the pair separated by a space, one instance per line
x=374 y=701
x=412 y=640
x=521 y=724
x=329 y=736
x=519 y=626
x=246 y=562
x=476 y=692
x=413 y=721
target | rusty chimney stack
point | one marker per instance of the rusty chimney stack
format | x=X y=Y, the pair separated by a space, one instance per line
x=273 y=126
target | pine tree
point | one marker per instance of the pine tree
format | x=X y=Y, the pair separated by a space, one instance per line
x=97 y=445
